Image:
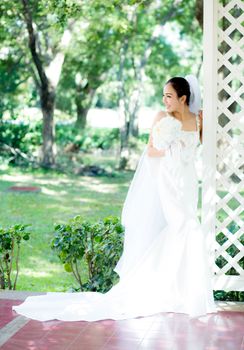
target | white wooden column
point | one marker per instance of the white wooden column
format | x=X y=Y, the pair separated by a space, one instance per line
x=223 y=136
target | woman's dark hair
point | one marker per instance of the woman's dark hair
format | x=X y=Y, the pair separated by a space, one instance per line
x=181 y=86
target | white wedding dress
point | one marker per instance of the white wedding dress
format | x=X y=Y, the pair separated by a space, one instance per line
x=164 y=265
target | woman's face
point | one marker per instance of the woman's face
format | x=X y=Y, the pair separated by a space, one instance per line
x=171 y=100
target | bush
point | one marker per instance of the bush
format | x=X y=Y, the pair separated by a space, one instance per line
x=228 y=296
x=98 y=244
x=10 y=241
x=19 y=140
x=87 y=139
x=143 y=137
x=12 y=134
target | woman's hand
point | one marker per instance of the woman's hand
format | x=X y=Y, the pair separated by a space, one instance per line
x=153 y=152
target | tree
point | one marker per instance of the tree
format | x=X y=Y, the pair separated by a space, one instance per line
x=48 y=57
x=137 y=30
x=14 y=70
x=92 y=54
x=146 y=37
x=118 y=44
x=199 y=12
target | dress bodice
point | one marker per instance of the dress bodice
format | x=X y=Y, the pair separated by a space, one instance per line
x=190 y=140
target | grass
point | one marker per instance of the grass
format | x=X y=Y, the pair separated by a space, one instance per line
x=61 y=198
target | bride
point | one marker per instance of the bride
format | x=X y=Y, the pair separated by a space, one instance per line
x=164 y=265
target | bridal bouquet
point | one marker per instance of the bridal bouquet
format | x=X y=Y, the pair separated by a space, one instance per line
x=165 y=132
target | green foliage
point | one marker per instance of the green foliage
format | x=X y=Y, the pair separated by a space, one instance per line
x=14 y=69
x=12 y=134
x=99 y=244
x=143 y=137
x=232 y=250
x=104 y=63
x=88 y=139
x=19 y=140
x=12 y=75
x=221 y=262
x=10 y=241
x=63 y=196
x=26 y=138
x=228 y=296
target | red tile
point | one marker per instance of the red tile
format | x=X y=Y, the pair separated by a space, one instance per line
x=134 y=325
x=53 y=337
x=67 y=326
x=222 y=331
x=65 y=332
x=21 y=345
x=27 y=336
x=49 y=344
x=96 y=330
x=120 y=343
x=41 y=326
x=85 y=343
x=6 y=313
x=242 y=344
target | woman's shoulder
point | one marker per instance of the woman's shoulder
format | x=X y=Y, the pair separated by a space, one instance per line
x=159 y=115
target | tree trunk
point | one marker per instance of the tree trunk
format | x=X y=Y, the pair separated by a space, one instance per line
x=135 y=128
x=124 y=146
x=81 y=119
x=46 y=79
x=83 y=104
x=2 y=277
x=47 y=104
x=199 y=12
x=134 y=105
x=83 y=101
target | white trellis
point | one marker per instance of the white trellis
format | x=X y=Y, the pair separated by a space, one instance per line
x=223 y=140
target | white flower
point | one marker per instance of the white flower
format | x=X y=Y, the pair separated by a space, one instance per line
x=166 y=131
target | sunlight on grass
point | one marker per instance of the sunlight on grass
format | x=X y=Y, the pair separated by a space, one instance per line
x=62 y=197
x=53 y=193
x=31 y=273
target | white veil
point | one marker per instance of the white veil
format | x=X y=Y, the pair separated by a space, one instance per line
x=142 y=214
x=195 y=97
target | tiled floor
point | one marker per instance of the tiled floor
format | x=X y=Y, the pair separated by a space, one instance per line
x=6 y=314
x=166 y=331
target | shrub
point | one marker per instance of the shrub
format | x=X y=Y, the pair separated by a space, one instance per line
x=10 y=241
x=18 y=140
x=12 y=133
x=87 y=139
x=143 y=137
x=97 y=244
x=228 y=296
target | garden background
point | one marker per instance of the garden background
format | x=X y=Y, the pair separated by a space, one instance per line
x=80 y=84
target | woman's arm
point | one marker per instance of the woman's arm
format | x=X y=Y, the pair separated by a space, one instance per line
x=151 y=151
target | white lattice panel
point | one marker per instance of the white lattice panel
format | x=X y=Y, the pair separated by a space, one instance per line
x=228 y=62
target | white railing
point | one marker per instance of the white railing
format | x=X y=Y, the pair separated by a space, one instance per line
x=223 y=140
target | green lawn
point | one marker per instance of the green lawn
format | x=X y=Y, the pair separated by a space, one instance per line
x=61 y=197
